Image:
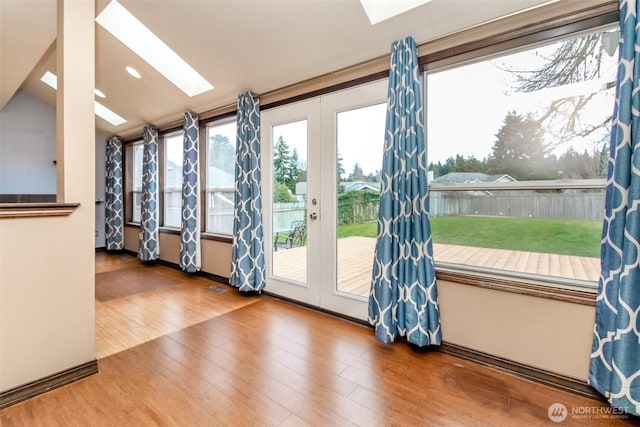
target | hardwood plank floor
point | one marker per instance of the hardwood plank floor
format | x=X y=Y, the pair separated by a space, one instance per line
x=257 y=361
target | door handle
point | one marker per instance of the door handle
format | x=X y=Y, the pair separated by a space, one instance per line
x=313 y=215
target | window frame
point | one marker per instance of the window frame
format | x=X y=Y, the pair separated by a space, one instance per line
x=204 y=150
x=551 y=287
x=129 y=199
x=162 y=178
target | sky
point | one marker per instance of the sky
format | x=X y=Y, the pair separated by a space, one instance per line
x=466 y=108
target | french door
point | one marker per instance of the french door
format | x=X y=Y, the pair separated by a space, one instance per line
x=320 y=162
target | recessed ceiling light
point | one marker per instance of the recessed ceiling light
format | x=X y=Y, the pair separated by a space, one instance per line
x=137 y=37
x=101 y=111
x=133 y=72
x=380 y=10
x=99 y=93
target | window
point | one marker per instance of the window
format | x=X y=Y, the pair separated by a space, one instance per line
x=136 y=192
x=517 y=149
x=220 y=174
x=172 y=189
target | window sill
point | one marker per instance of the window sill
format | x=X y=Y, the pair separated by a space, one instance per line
x=216 y=237
x=203 y=235
x=28 y=210
x=548 y=287
x=169 y=230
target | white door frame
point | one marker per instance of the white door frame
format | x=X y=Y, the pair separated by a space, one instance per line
x=321 y=115
x=306 y=110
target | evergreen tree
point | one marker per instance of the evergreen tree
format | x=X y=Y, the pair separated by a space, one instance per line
x=339 y=169
x=281 y=161
x=581 y=166
x=357 y=174
x=294 y=171
x=221 y=153
x=520 y=150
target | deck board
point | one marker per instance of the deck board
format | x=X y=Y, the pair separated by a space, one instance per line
x=355 y=261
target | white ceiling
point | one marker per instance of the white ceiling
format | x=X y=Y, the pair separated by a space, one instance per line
x=236 y=45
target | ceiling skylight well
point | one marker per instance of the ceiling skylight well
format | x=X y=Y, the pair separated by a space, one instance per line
x=137 y=37
x=381 y=10
x=101 y=111
x=50 y=79
x=108 y=115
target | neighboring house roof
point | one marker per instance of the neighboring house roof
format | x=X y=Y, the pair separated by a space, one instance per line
x=360 y=185
x=471 y=177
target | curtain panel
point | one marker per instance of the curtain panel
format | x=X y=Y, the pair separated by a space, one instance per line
x=190 y=230
x=113 y=206
x=247 y=253
x=404 y=299
x=615 y=357
x=149 y=244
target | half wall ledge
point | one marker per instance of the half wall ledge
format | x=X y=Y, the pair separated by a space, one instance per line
x=25 y=210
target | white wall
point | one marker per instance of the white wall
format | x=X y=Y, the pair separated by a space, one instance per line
x=27 y=146
x=47 y=274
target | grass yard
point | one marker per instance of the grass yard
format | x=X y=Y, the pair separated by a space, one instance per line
x=556 y=236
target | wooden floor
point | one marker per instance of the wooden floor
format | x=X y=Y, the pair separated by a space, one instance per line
x=355 y=261
x=137 y=303
x=202 y=358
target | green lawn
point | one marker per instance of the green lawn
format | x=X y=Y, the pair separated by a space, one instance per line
x=557 y=236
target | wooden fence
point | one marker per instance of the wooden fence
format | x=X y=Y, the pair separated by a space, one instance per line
x=285 y=213
x=586 y=206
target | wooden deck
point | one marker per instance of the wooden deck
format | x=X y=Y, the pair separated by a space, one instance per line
x=356 y=260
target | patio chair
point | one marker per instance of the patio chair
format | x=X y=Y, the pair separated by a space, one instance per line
x=296 y=236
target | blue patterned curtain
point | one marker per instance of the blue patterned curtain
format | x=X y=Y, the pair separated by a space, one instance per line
x=113 y=209
x=404 y=298
x=149 y=244
x=615 y=357
x=190 y=231
x=247 y=253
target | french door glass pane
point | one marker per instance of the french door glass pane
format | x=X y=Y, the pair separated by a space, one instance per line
x=290 y=201
x=360 y=141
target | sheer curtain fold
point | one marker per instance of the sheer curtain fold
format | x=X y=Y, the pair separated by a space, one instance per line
x=615 y=357
x=190 y=258
x=113 y=206
x=247 y=253
x=149 y=244
x=404 y=299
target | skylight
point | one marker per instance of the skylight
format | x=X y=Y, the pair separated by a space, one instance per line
x=101 y=111
x=137 y=37
x=50 y=79
x=381 y=10
x=108 y=115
